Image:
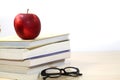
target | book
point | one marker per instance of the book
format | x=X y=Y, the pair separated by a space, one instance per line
x=17 y=76
x=36 y=61
x=34 y=76
x=6 y=79
x=30 y=70
x=24 y=54
x=43 y=39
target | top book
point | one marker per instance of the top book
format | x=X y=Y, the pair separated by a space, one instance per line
x=43 y=39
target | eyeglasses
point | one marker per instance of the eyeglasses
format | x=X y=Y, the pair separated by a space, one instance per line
x=57 y=72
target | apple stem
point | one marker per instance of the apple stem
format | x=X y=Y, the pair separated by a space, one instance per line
x=27 y=11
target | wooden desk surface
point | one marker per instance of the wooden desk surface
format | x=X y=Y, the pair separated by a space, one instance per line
x=94 y=66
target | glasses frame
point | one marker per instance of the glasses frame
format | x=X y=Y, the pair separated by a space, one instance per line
x=62 y=71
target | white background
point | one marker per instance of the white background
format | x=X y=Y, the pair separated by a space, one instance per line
x=94 y=25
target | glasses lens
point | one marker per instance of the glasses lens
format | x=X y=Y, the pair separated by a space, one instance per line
x=72 y=71
x=53 y=72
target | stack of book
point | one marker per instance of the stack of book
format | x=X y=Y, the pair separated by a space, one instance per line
x=24 y=59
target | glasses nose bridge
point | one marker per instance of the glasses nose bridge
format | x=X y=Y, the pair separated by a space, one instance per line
x=62 y=70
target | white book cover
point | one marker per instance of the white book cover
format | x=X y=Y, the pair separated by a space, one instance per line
x=37 y=61
x=16 y=42
x=18 y=54
x=27 y=70
x=19 y=76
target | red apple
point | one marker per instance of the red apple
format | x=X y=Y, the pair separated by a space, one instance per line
x=27 y=25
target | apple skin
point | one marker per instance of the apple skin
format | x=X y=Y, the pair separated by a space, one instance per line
x=27 y=25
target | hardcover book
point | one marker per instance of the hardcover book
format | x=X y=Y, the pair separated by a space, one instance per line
x=33 y=76
x=30 y=70
x=24 y=54
x=43 y=39
x=36 y=61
